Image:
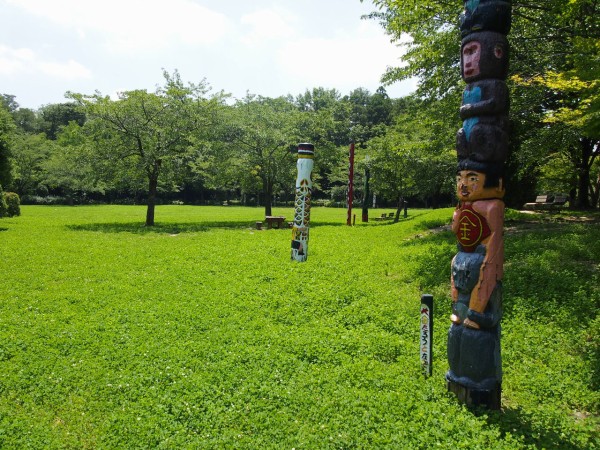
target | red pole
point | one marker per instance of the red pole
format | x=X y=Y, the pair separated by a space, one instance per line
x=350 y=185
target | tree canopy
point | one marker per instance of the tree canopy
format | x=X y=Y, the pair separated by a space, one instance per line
x=148 y=134
x=555 y=56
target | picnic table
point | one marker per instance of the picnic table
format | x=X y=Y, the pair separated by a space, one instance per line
x=274 y=220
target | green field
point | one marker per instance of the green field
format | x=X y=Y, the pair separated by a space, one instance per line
x=201 y=333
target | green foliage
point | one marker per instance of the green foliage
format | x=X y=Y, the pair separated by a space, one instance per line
x=3 y=204
x=53 y=117
x=7 y=130
x=13 y=204
x=415 y=156
x=149 y=135
x=262 y=132
x=201 y=333
x=29 y=153
x=554 y=80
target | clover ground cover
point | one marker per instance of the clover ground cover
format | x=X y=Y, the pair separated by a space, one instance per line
x=201 y=333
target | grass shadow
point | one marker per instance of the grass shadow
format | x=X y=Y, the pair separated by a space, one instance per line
x=159 y=228
x=177 y=228
x=549 y=267
x=554 y=265
x=517 y=422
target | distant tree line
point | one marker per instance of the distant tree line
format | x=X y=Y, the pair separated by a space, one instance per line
x=185 y=143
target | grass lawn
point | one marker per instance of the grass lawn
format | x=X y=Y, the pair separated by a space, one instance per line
x=201 y=333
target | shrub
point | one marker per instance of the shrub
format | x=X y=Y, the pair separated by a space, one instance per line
x=13 y=204
x=43 y=200
x=3 y=205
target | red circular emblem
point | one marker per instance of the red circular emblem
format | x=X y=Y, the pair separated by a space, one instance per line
x=472 y=228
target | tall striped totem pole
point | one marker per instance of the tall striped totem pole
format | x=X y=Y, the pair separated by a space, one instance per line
x=304 y=164
x=475 y=374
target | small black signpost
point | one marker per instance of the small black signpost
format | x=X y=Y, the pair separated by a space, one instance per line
x=426 y=333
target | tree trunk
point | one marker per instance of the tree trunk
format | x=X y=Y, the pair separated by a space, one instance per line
x=399 y=208
x=268 y=194
x=583 y=175
x=583 y=183
x=152 y=188
x=596 y=193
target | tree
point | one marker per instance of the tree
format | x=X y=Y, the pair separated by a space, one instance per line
x=57 y=115
x=29 y=153
x=7 y=130
x=149 y=134
x=415 y=156
x=554 y=48
x=69 y=167
x=325 y=122
x=369 y=114
x=25 y=119
x=263 y=131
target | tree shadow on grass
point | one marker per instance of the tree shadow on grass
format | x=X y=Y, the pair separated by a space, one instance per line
x=177 y=228
x=517 y=422
x=159 y=228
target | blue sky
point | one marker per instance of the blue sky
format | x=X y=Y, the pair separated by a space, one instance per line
x=266 y=47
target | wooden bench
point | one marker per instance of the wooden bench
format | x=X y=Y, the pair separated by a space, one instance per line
x=547 y=202
x=539 y=200
x=559 y=202
x=274 y=220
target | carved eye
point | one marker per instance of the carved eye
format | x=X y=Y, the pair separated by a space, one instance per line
x=498 y=51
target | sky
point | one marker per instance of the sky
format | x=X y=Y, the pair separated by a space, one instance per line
x=264 y=47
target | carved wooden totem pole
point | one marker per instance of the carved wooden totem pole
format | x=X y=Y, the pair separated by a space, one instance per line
x=475 y=373
x=305 y=163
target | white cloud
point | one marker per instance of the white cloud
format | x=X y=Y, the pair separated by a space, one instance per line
x=342 y=61
x=128 y=25
x=71 y=70
x=267 y=25
x=19 y=61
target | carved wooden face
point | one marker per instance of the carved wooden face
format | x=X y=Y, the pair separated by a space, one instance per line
x=471 y=54
x=470 y=186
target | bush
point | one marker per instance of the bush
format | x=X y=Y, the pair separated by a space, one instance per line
x=13 y=204
x=3 y=205
x=43 y=200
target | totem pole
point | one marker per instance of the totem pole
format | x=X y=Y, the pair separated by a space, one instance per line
x=475 y=374
x=305 y=163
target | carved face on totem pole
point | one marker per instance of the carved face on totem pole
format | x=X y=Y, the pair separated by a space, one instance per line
x=472 y=185
x=484 y=55
x=471 y=54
